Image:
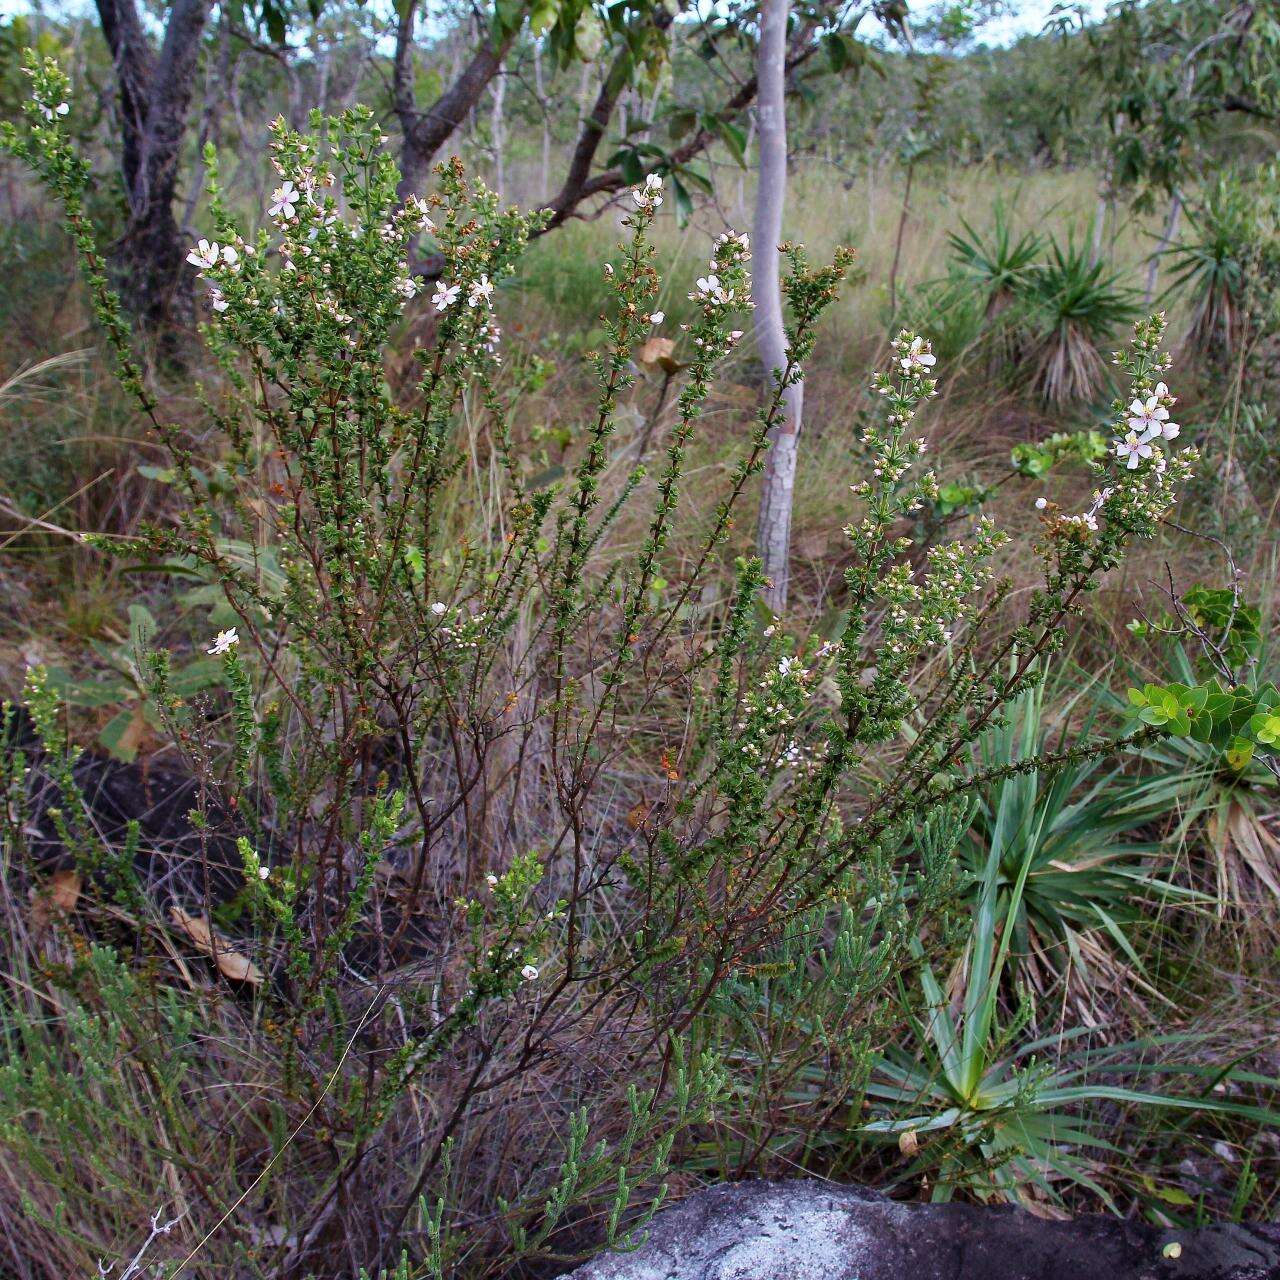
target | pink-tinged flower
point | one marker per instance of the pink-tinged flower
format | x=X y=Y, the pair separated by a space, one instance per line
x=1150 y=418
x=445 y=295
x=223 y=642
x=917 y=356
x=204 y=255
x=1133 y=448
x=480 y=292
x=284 y=201
x=50 y=112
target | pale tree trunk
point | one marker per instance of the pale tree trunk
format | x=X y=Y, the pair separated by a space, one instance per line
x=1166 y=239
x=773 y=533
x=497 y=130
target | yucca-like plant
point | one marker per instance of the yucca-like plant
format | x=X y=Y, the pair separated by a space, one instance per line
x=982 y=1107
x=1222 y=262
x=1069 y=840
x=1001 y=263
x=528 y=819
x=1077 y=306
x=1001 y=266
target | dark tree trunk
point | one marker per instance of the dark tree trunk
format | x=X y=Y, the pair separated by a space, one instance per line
x=425 y=132
x=155 y=88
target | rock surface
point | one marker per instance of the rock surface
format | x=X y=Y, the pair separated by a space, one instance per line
x=808 y=1230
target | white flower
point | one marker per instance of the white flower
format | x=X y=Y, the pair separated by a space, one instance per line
x=407 y=286
x=263 y=872
x=439 y=608
x=217 y=301
x=491 y=880
x=224 y=642
x=231 y=257
x=1041 y=503
x=204 y=255
x=1133 y=449
x=418 y=209
x=480 y=291
x=647 y=196
x=917 y=356
x=283 y=201
x=445 y=295
x=49 y=112
x=658 y=317
x=1148 y=417
x=528 y=973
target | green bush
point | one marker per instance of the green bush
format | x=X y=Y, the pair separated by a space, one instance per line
x=531 y=824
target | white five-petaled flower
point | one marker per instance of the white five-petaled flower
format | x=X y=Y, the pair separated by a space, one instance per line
x=407 y=286
x=231 y=257
x=50 y=112
x=439 y=608
x=1041 y=503
x=284 y=200
x=528 y=973
x=204 y=255
x=658 y=317
x=1133 y=448
x=263 y=872
x=917 y=356
x=479 y=292
x=1151 y=419
x=217 y=301
x=491 y=880
x=445 y=295
x=224 y=642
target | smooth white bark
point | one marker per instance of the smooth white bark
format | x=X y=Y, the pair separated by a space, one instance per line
x=773 y=532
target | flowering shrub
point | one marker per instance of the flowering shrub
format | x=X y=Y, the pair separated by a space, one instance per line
x=525 y=840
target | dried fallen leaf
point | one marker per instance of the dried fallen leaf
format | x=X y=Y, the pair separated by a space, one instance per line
x=638 y=815
x=59 y=894
x=231 y=964
x=660 y=352
x=908 y=1143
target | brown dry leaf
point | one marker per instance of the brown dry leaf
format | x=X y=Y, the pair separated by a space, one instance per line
x=638 y=815
x=58 y=895
x=660 y=352
x=231 y=964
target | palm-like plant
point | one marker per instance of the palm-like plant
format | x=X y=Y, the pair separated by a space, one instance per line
x=1001 y=263
x=983 y=1111
x=1000 y=266
x=1077 y=305
x=1209 y=267
x=1062 y=838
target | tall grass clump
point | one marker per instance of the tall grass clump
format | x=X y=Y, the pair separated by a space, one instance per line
x=523 y=824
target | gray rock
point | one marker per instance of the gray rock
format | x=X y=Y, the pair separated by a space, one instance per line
x=808 y=1230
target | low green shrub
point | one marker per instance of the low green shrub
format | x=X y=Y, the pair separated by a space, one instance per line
x=560 y=866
